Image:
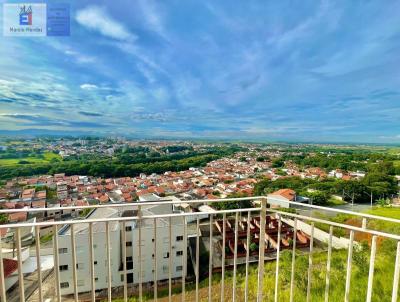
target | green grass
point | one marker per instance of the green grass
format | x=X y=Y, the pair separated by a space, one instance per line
x=382 y=289
x=334 y=202
x=47 y=157
x=46 y=238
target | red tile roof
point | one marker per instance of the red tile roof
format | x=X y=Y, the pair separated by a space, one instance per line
x=9 y=266
x=289 y=194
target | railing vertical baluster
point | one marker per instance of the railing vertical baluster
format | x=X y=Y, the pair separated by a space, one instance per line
x=124 y=261
x=260 y=283
x=293 y=260
x=210 y=260
x=108 y=246
x=348 y=269
x=155 y=261
x=184 y=259
x=364 y=223
x=170 y=268
x=38 y=264
x=56 y=262
x=73 y=255
x=235 y=257
x=197 y=256
x=371 y=269
x=278 y=250
x=140 y=255
x=396 y=275
x=246 y=286
x=223 y=258
x=91 y=259
x=2 y=284
x=328 y=264
x=20 y=273
x=310 y=263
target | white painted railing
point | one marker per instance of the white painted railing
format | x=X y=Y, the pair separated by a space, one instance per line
x=236 y=229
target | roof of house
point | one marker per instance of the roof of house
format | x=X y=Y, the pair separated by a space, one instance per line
x=9 y=266
x=289 y=194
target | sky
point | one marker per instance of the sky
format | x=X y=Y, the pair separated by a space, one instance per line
x=251 y=70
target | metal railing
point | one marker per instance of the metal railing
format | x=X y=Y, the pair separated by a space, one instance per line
x=235 y=237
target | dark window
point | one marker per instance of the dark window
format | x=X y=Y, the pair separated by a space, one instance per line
x=179 y=238
x=64 y=284
x=166 y=255
x=63 y=267
x=128 y=228
x=179 y=253
x=129 y=243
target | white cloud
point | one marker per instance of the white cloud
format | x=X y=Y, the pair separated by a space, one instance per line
x=153 y=18
x=96 y=18
x=89 y=86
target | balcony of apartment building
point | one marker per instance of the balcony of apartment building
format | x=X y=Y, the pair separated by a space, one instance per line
x=246 y=254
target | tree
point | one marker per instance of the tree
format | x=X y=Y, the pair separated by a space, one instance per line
x=318 y=197
x=383 y=202
x=3 y=218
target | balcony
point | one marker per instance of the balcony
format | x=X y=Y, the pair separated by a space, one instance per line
x=148 y=251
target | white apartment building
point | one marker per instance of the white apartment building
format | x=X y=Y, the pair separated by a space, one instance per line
x=116 y=243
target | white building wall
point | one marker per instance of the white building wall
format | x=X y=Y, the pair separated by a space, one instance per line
x=148 y=254
x=100 y=256
x=83 y=263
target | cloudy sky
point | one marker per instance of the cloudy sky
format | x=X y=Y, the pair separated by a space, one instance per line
x=274 y=70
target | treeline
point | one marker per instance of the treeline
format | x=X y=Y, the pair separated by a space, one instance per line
x=105 y=168
x=122 y=165
x=349 y=161
x=380 y=185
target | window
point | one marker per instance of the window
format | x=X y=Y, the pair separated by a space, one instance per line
x=122 y=278
x=129 y=258
x=80 y=266
x=62 y=250
x=179 y=253
x=179 y=268
x=152 y=240
x=81 y=282
x=95 y=262
x=179 y=238
x=165 y=269
x=166 y=255
x=64 y=284
x=94 y=246
x=128 y=228
x=129 y=243
x=63 y=268
x=96 y=279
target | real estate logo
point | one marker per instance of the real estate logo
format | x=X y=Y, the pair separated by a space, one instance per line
x=36 y=19
x=25 y=15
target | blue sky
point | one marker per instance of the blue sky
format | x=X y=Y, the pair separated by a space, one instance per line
x=273 y=70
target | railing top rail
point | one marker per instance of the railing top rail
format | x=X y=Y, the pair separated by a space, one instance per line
x=120 y=219
x=117 y=205
x=207 y=201
x=161 y=216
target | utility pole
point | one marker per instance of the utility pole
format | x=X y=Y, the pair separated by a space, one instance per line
x=371 y=197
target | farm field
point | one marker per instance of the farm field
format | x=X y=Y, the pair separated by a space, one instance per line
x=40 y=158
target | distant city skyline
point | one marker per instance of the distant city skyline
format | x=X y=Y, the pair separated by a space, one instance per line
x=274 y=71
